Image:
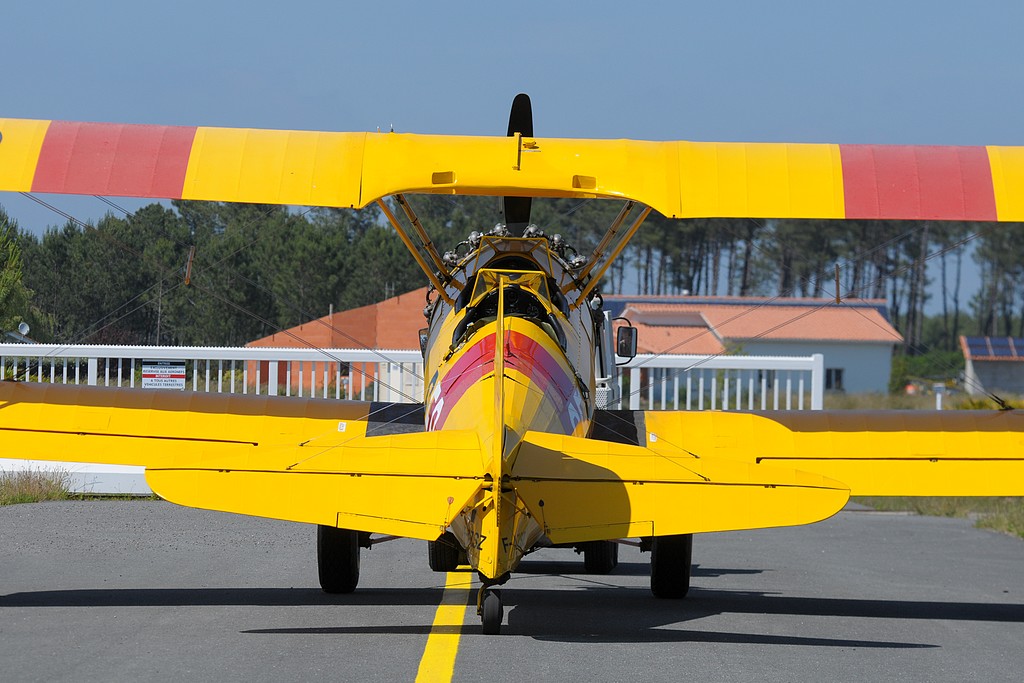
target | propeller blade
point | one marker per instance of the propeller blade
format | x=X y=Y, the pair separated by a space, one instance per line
x=515 y=211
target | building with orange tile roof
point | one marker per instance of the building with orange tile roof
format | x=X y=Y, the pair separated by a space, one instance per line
x=855 y=337
x=392 y=324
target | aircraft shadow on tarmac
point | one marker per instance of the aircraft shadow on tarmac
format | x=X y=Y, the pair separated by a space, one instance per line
x=555 y=567
x=596 y=611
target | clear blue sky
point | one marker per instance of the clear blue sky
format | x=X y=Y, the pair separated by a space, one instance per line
x=940 y=72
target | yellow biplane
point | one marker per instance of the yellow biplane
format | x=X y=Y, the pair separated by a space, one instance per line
x=510 y=450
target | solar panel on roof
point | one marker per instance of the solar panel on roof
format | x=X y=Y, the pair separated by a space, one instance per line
x=1001 y=347
x=977 y=346
x=995 y=347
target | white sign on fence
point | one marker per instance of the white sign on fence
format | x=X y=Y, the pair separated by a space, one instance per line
x=163 y=374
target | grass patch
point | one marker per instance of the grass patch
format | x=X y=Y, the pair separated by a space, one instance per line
x=877 y=401
x=986 y=403
x=113 y=496
x=1005 y=514
x=32 y=486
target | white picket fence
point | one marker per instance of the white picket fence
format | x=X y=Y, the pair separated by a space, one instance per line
x=724 y=382
x=652 y=382
x=360 y=374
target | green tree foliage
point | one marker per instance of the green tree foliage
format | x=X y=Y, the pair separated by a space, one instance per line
x=14 y=296
x=999 y=303
x=213 y=273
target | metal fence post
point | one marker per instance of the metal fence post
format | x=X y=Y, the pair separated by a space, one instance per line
x=818 y=381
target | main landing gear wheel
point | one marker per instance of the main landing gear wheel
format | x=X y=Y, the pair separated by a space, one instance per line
x=337 y=559
x=671 y=558
x=444 y=553
x=490 y=610
x=600 y=557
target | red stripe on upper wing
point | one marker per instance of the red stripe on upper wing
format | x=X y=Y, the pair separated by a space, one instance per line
x=114 y=159
x=915 y=182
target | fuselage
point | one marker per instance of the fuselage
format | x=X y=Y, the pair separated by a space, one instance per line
x=513 y=352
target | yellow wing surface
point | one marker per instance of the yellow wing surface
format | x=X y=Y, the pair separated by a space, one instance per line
x=714 y=471
x=677 y=178
x=286 y=458
x=311 y=461
x=874 y=453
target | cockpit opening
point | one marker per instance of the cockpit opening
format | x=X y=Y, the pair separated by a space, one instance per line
x=524 y=297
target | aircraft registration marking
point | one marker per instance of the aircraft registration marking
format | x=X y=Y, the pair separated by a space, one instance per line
x=438 y=661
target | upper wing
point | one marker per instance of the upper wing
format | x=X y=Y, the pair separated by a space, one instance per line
x=678 y=179
x=876 y=453
x=303 y=460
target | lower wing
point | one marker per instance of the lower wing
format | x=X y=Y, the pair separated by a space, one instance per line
x=875 y=453
x=367 y=466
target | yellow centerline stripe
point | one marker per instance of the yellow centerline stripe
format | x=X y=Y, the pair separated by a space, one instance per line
x=438 y=661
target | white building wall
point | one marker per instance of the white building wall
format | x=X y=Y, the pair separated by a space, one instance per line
x=866 y=366
x=999 y=377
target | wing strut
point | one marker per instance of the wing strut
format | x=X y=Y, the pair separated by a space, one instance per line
x=425 y=244
x=608 y=239
x=428 y=246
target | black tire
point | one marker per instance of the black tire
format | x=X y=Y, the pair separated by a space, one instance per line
x=600 y=557
x=444 y=553
x=337 y=559
x=492 y=612
x=671 y=559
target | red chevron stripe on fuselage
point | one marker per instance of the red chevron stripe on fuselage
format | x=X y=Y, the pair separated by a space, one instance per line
x=526 y=355
x=523 y=354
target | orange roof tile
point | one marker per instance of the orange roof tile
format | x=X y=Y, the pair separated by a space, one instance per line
x=774 y=320
x=828 y=322
x=677 y=339
x=391 y=324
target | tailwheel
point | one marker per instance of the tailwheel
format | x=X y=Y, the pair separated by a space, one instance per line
x=600 y=557
x=490 y=610
x=337 y=559
x=671 y=558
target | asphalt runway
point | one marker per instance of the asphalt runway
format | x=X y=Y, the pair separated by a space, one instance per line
x=146 y=591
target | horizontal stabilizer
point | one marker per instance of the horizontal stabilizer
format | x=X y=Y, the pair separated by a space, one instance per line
x=405 y=484
x=301 y=460
x=585 y=489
